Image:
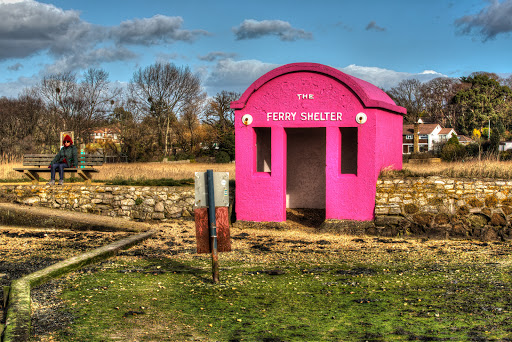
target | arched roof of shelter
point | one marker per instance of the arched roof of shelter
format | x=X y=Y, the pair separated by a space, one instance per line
x=370 y=95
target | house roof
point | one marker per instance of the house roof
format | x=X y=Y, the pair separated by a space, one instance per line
x=109 y=130
x=424 y=129
x=447 y=130
x=463 y=138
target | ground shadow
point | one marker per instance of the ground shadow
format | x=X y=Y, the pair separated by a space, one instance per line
x=312 y=218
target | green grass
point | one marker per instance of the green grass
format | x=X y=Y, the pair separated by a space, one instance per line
x=176 y=301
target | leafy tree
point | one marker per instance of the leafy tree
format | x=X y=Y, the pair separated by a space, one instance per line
x=227 y=145
x=484 y=99
x=477 y=136
x=453 y=150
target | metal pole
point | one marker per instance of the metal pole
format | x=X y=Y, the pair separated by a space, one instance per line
x=212 y=224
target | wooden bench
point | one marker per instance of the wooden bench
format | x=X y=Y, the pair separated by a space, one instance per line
x=34 y=164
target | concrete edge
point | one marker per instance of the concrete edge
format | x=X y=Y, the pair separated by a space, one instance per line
x=31 y=216
x=17 y=326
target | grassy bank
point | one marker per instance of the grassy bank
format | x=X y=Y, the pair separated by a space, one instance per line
x=132 y=172
x=146 y=172
x=489 y=168
x=293 y=286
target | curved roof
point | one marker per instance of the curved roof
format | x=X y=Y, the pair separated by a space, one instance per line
x=370 y=95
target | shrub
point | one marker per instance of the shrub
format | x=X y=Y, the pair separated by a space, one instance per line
x=506 y=155
x=183 y=156
x=421 y=155
x=222 y=157
x=453 y=152
x=472 y=150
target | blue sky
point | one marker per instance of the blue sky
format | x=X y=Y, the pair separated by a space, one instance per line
x=231 y=43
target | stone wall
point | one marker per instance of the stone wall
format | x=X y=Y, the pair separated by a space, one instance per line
x=443 y=207
x=130 y=202
x=432 y=206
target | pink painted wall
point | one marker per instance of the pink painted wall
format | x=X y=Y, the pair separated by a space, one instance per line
x=314 y=88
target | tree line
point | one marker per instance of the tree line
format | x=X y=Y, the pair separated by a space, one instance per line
x=465 y=103
x=478 y=106
x=163 y=112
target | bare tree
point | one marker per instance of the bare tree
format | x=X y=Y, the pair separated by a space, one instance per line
x=218 y=112
x=221 y=118
x=98 y=93
x=437 y=95
x=408 y=94
x=163 y=90
x=188 y=126
x=82 y=106
x=21 y=126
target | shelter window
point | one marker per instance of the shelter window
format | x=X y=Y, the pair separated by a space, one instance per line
x=349 y=150
x=263 y=149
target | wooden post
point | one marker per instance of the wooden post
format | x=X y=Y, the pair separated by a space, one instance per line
x=416 y=138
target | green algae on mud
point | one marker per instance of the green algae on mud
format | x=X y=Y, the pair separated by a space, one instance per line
x=363 y=289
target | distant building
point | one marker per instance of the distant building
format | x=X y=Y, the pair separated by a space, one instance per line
x=505 y=145
x=106 y=133
x=464 y=140
x=430 y=137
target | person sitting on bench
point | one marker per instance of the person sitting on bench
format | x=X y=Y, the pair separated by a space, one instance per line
x=67 y=157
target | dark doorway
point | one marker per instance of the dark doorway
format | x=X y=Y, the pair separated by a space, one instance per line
x=305 y=168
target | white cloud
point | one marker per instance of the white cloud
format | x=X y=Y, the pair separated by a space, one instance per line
x=15 y=88
x=490 y=21
x=216 y=55
x=372 y=25
x=12 y=1
x=252 y=29
x=385 y=78
x=235 y=75
x=88 y=59
x=15 y=67
x=154 y=30
x=239 y=75
x=28 y=28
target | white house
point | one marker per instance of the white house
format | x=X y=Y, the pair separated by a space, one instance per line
x=105 y=133
x=430 y=137
x=505 y=145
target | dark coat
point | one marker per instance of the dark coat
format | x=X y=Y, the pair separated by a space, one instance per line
x=69 y=154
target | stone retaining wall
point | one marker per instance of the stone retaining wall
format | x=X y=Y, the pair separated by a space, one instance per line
x=443 y=207
x=432 y=206
x=130 y=202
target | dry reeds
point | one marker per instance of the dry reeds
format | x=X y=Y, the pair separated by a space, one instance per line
x=7 y=172
x=488 y=168
x=160 y=170
x=470 y=169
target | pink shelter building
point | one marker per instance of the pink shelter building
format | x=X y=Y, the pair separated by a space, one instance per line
x=310 y=136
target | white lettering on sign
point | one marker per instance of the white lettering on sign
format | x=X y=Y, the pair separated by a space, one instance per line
x=306 y=96
x=281 y=116
x=304 y=116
